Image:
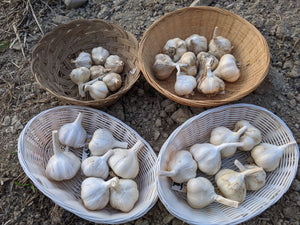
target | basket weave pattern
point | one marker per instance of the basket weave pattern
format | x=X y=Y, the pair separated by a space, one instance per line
x=197 y=130
x=51 y=58
x=35 y=149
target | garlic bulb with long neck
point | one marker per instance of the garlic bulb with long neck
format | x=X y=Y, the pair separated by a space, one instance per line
x=208 y=156
x=222 y=135
x=124 y=162
x=63 y=165
x=201 y=193
x=97 y=71
x=185 y=84
x=219 y=45
x=124 y=194
x=97 y=90
x=114 y=63
x=113 y=81
x=163 y=66
x=83 y=60
x=175 y=48
x=102 y=141
x=188 y=63
x=227 y=69
x=73 y=134
x=99 y=55
x=203 y=58
x=95 y=192
x=181 y=167
x=96 y=166
x=250 y=138
x=196 y=43
x=232 y=183
x=268 y=156
x=255 y=180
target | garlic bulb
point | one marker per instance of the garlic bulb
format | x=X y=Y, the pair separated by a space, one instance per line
x=97 y=71
x=200 y=193
x=163 y=66
x=80 y=75
x=219 y=45
x=97 y=90
x=185 y=84
x=232 y=183
x=95 y=192
x=255 y=180
x=203 y=58
x=227 y=69
x=83 y=60
x=96 y=166
x=123 y=194
x=63 y=165
x=73 y=134
x=99 y=55
x=208 y=156
x=250 y=138
x=175 y=48
x=113 y=81
x=268 y=156
x=124 y=162
x=188 y=63
x=114 y=63
x=181 y=167
x=103 y=140
x=196 y=43
x=222 y=135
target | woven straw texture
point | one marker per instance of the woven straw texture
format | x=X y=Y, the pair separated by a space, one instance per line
x=250 y=50
x=35 y=149
x=197 y=130
x=51 y=58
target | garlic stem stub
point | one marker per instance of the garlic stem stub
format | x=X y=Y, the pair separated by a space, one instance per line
x=219 y=45
x=203 y=58
x=185 y=84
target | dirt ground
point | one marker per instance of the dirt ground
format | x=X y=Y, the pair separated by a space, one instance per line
x=21 y=98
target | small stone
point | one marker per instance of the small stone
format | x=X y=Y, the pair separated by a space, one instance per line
x=59 y=19
x=17 y=46
x=74 y=3
x=170 y=121
x=6 y=121
x=180 y=116
x=170 y=7
x=163 y=114
x=290 y=212
x=165 y=135
x=18 y=125
x=287 y=65
x=170 y=108
x=295 y=72
x=290 y=95
x=167 y=219
x=296 y=185
x=297 y=98
x=293 y=103
x=140 y=92
x=156 y=135
x=165 y=103
x=142 y=222
x=11 y=130
x=158 y=122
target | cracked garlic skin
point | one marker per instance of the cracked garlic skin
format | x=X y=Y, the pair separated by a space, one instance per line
x=123 y=194
x=73 y=134
x=97 y=71
x=201 y=193
x=181 y=167
x=196 y=43
x=113 y=81
x=185 y=84
x=83 y=60
x=97 y=90
x=175 y=48
x=102 y=141
x=219 y=45
x=227 y=69
x=203 y=58
x=188 y=63
x=80 y=75
x=163 y=66
x=63 y=165
x=99 y=55
x=114 y=63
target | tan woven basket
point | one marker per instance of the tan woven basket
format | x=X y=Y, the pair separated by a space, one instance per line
x=35 y=149
x=51 y=58
x=197 y=130
x=250 y=49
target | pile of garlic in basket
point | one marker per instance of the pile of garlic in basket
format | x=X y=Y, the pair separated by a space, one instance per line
x=183 y=164
x=99 y=186
x=100 y=78
x=195 y=66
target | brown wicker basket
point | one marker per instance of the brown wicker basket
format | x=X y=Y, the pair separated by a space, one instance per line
x=250 y=49
x=51 y=58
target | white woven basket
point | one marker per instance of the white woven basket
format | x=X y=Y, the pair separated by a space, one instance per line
x=35 y=149
x=197 y=130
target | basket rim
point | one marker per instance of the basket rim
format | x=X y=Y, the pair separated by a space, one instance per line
x=41 y=188
x=201 y=103
x=219 y=109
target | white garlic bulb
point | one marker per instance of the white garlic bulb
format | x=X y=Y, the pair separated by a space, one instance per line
x=255 y=180
x=220 y=135
x=250 y=138
x=268 y=156
x=103 y=140
x=73 y=134
x=124 y=162
x=99 y=55
x=80 y=75
x=203 y=58
x=181 y=167
x=227 y=69
x=83 y=60
x=219 y=45
x=188 y=63
x=113 y=81
x=63 y=165
x=163 y=66
x=175 y=48
x=97 y=71
x=185 y=84
x=196 y=43
x=200 y=193
x=123 y=194
x=208 y=156
x=97 y=90
x=96 y=166
x=95 y=192
x=114 y=63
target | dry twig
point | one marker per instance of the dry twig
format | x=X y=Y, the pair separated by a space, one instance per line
x=34 y=16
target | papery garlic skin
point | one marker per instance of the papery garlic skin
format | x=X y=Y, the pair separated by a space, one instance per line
x=175 y=48
x=185 y=84
x=97 y=90
x=114 y=63
x=80 y=75
x=163 y=66
x=123 y=194
x=196 y=43
x=203 y=58
x=219 y=45
x=83 y=60
x=227 y=69
x=113 y=81
x=97 y=71
x=188 y=63
x=99 y=55
x=63 y=165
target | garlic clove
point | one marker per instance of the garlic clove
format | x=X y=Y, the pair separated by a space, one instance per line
x=63 y=165
x=113 y=81
x=97 y=71
x=175 y=48
x=114 y=63
x=83 y=60
x=196 y=43
x=185 y=84
x=219 y=45
x=227 y=69
x=188 y=63
x=163 y=66
x=203 y=58
x=97 y=90
x=99 y=55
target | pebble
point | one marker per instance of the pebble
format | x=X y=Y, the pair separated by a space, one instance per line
x=296 y=185
x=163 y=114
x=167 y=219
x=6 y=121
x=293 y=103
x=156 y=135
x=158 y=122
x=140 y=92
x=290 y=212
x=59 y=19
x=170 y=121
x=165 y=103
x=170 y=108
x=180 y=116
x=142 y=222
x=295 y=72
x=74 y=3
